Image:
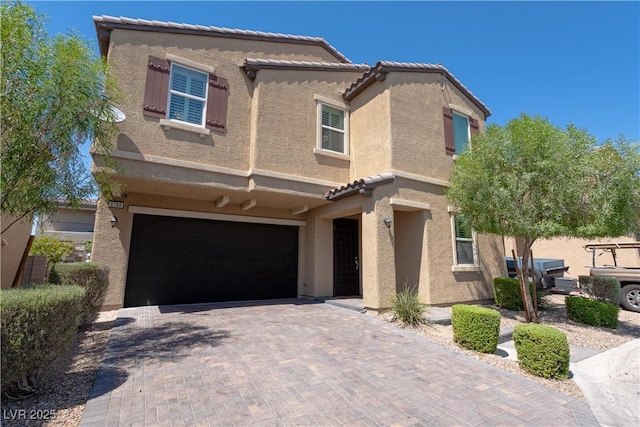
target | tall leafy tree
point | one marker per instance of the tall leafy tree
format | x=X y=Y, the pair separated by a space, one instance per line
x=52 y=102
x=532 y=180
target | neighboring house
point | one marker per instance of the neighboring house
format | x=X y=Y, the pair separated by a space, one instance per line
x=73 y=224
x=573 y=252
x=261 y=165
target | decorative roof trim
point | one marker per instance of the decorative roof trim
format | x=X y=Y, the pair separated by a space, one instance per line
x=382 y=68
x=252 y=65
x=362 y=186
x=104 y=24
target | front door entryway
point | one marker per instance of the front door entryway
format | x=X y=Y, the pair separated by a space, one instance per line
x=346 y=265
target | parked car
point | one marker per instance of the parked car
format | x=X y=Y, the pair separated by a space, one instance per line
x=629 y=277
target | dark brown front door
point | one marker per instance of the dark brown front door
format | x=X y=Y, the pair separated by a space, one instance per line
x=346 y=265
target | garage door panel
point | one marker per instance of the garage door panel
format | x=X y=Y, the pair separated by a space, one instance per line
x=185 y=260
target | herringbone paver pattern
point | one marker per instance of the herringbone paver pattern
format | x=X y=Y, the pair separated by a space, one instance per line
x=297 y=363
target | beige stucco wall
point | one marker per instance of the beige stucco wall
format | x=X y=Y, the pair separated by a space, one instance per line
x=575 y=256
x=370 y=132
x=14 y=241
x=417 y=126
x=128 y=55
x=284 y=138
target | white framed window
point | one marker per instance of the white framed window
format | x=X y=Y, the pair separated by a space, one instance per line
x=465 y=248
x=187 y=95
x=333 y=126
x=461 y=134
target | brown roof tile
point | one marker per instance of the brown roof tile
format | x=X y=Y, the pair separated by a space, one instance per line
x=108 y=23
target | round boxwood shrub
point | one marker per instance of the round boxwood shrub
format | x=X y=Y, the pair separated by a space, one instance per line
x=542 y=350
x=475 y=328
x=38 y=326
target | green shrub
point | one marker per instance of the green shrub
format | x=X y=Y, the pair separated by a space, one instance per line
x=407 y=306
x=592 y=312
x=38 y=326
x=93 y=277
x=542 y=350
x=507 y=293
x=601 y=288
x=475 y=328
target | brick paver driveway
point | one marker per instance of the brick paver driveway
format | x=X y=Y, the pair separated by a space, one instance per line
x=298 y=363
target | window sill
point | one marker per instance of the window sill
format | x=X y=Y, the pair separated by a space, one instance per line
x=330 y=153
x=187 y=127
x=466 y=269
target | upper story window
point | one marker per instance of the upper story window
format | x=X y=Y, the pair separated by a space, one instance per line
x=333 y=127
x=187 y=93
x=459 y=127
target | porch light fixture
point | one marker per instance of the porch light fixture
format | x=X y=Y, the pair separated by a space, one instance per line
x=387 y=222
x=113 y=221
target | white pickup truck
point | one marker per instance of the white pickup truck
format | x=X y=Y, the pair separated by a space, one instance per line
x=629 y=276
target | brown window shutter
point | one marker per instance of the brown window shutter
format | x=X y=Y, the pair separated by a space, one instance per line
x=157 y=88
x=217 y=103
x=474 y=126
x=449 y=145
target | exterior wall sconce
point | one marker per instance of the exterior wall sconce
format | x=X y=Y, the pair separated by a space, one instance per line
x=387 y=221
x=113 y=221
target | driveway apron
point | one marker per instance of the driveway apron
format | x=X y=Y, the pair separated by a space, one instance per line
x=295 y=362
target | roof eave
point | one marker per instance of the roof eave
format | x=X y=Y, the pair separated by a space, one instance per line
x=379 y=72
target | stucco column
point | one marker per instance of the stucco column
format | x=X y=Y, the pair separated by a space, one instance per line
x=378 y=255
x=319 y=241
x=110 y=247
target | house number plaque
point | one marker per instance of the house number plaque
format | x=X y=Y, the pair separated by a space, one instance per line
x=117 y=205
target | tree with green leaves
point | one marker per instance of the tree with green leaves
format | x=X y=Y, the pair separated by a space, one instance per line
x=52 y=98
x=532 y=180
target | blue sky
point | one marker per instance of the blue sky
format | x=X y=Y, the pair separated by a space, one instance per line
x=571 y=62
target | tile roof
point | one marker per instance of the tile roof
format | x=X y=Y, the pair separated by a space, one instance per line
x=362 y=186
x=110 y=22
x=251 y=65
x=379 y=71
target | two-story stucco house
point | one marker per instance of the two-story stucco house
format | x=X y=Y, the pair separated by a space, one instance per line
x=261 y=165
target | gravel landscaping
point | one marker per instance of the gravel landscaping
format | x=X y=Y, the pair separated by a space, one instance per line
x=554 y=315
x=65 y=393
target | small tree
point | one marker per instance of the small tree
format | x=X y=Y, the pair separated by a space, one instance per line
x=532 y=180
x=52 y=102
x=53 y=248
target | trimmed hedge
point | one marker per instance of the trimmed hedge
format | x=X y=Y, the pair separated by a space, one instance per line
x=93 y=277
x=542 y=350
x=601 y=288
x=592 y=312
x=507 y=293
x=475 y=328
x=38 y=326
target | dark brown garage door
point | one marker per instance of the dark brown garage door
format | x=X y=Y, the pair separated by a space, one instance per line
x=185 y=261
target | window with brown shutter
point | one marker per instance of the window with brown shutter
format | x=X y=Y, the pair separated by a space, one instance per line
x=157 y=89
